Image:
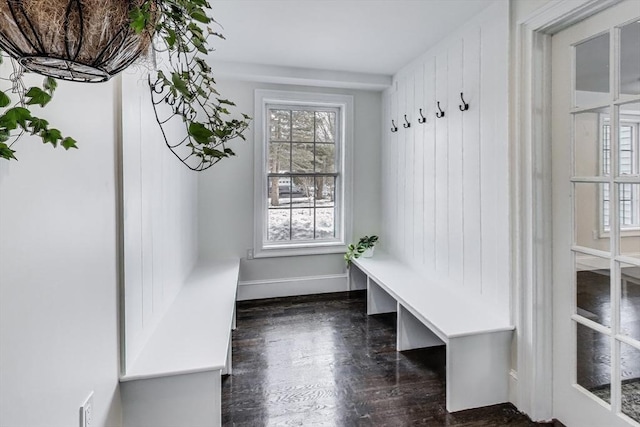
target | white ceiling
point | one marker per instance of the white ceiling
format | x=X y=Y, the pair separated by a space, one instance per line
x=362 y=36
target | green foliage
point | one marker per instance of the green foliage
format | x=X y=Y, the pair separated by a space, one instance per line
x=16 y=118
x=188 y=87
x=181 y=30
x=356 y=251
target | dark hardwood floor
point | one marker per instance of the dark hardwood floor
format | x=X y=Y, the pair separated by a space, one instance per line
x=321 y=361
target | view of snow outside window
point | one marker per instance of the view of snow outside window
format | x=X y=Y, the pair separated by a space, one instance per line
x=303 y=174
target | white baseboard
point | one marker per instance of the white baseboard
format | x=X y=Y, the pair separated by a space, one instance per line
x=293 y=286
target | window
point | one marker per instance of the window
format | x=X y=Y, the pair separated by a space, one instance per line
x=302 y=172
x=629 y=194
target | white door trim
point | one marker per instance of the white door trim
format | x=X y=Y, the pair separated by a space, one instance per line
x=531 y=200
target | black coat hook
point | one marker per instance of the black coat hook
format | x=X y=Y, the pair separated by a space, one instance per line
x=406 y=123
x=422 y=118
x=394 y=128
x=441 y=113
x=464 y=106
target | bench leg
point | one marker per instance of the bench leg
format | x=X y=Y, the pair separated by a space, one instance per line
x=412 y=333
x=378 y=300
x=478 y=370
x=228 y=367
x=190 y=400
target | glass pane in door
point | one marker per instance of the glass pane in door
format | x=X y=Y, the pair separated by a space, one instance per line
x=592 y=143
x=630 y=300
x=630 y=380
x=593 y=289
x=630 y=60
x=594 y=361
x=592 y=71
x=592 y=215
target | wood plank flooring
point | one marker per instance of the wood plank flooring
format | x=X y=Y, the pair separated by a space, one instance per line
x=321 y=361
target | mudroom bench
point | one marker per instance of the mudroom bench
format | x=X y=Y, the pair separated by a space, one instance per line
x=430 y=314
x=176 y=380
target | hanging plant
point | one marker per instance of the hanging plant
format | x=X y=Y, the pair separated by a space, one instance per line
x=93 y=40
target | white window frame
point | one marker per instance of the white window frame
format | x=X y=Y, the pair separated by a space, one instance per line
x=634 y=121
x=343 y=198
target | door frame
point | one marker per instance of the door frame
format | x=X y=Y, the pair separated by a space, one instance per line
x=532 y=298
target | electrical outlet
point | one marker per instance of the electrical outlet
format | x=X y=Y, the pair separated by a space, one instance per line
x=86 y=412
x=249 y=253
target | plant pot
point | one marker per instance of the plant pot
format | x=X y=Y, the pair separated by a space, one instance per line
x=78 y=40
x=368 y=253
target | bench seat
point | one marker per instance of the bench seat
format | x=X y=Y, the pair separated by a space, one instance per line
x=430 y=313
x=176 y=377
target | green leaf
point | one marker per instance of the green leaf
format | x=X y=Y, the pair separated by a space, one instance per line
x=69 y=143
x=200 y=132
x=200 y=16
x=37 y=125
x=51 y=136
x=37 y=96
x=180 y=85
x=138 y=20
x=15 y=116
x=50 y=84
x=4 y=100
x=6 y=152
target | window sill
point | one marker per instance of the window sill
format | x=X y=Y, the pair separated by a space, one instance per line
x=301 y=250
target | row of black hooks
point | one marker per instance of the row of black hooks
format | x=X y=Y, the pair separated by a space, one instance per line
x=422 y=119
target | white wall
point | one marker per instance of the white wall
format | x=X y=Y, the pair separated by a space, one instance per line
x=160 y=215
x=446 y=184
x=58 y=292
x=226 y=201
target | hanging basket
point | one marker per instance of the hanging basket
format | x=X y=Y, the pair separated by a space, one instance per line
x=78 y=40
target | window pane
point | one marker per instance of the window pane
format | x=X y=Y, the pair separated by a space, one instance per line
x=592 y=143
x=630 y=301
x=325 y=223
x=630 y=59
x=302 y=224
x=302 y=158
x=591 y=199
x=302 y=126
x=629 y=209
x=592 y=71
x=325 y=191
x=279 y=157
x=325 y=158
x=630 y=376
x=594 y=361
x=628 y=139
x=279 y=125
x=278 y=225
x=302 y=195
x=325 y=126
x=593 y=289
x=279 y=191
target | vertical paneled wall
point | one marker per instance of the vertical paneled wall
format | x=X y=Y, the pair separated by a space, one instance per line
x=160 y=217
x=446 y=181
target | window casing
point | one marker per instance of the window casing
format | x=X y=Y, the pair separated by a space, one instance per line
x=303 y=173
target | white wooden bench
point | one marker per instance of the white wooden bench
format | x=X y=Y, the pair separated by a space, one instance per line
x=176 y=379
x=429 y=314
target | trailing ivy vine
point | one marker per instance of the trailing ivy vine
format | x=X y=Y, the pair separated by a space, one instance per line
x=182 y=89
x=17 y=118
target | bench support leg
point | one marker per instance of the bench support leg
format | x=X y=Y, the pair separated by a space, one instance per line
x=378 y=300
x=412 y=333
x=190 y=400
x=478 y=370
x=228 y=367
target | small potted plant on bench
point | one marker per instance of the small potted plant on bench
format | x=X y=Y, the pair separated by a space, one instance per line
x=364 y=248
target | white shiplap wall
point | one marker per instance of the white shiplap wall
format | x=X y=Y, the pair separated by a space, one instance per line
x=445 y=182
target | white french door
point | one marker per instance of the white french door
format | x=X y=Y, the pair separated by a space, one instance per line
x=596 y=219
